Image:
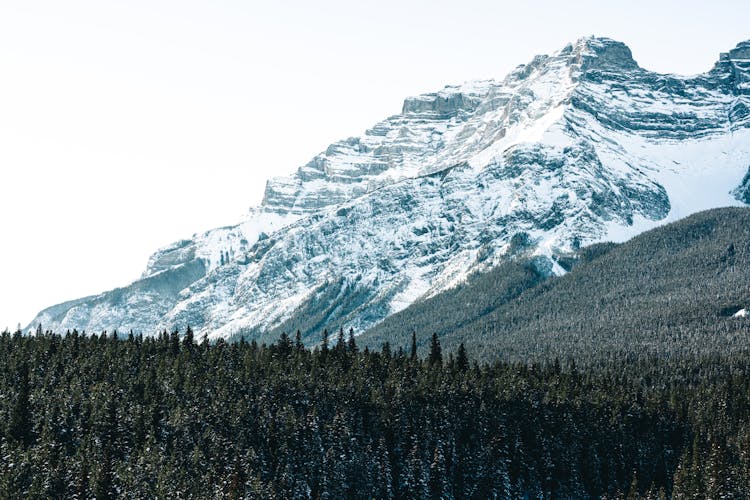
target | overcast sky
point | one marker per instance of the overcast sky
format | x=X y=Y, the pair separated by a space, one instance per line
x=127 y=125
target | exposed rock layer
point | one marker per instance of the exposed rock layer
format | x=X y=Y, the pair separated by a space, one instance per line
x=572 y=148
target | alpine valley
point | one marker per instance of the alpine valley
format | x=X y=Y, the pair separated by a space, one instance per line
x=574 y=148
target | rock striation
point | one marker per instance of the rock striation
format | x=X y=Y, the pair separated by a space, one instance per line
x=572 y=148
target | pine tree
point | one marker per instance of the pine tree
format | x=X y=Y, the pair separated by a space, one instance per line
x=386 y=350
x=340 y=342
x=188 y=340
x=716 y=471
x=462 y=360
x=436 y=356
x=298 y=345
x=324 y=347
x=103 y=488
x=352 y=345
x=174 y=342
x=416 y=481
x=413 y=355
x=384 y=477
x=284 y=345
x=19 y=424
x=438 y=485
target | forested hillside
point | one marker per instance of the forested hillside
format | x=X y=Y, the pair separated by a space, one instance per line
x=101 y=417
x=670 y=291
x=628 y=377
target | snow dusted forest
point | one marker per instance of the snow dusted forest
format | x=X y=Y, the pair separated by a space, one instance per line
x=103 y=416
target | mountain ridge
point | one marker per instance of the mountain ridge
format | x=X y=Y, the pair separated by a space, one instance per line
x=572 y=148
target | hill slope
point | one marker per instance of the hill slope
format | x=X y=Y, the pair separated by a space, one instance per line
x=672 y=290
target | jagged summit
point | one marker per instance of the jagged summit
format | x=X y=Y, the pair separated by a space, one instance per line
x=735 y=64
x=575 y=147
x=741 y=53
x=733 y=68
x=600 y=53
x=585 y=54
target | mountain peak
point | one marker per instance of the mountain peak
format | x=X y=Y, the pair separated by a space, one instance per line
x=733 y=69
x=600 y=53
x=740 y=53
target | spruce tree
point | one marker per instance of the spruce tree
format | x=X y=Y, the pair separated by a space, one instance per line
x=340 y=342
x=174 y=342
x=436 y=356
x=438 y=474
x=386 y=350
x=413 y=354
x=352 y=345
x=284 y=345
x=462 y=360
x=188 y=340
x=19 y=424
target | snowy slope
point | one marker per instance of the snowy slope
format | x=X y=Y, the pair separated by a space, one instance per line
x=572 y=148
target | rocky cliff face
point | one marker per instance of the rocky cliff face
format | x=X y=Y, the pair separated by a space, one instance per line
x=572 y=148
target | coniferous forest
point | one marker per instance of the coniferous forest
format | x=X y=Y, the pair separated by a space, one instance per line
x=102 y=416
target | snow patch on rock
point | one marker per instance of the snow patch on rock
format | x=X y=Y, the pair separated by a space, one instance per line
x=573 y=148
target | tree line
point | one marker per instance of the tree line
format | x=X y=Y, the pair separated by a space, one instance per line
x=113 y=416
x=668 y=292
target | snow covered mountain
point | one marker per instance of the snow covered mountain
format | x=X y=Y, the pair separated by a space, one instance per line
x=576 y=147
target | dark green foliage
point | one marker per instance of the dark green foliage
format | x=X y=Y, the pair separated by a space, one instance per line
x=333 y=303
x=19 y=423
x=456 y=308
x=351 y=343
x=413 y=350
x=93 y=418
x=298 y=345
x=189 y=339
x=436 y=353
x=626 y=378
x=462 y=360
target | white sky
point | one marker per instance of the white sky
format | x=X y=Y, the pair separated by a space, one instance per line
x=127 y=125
